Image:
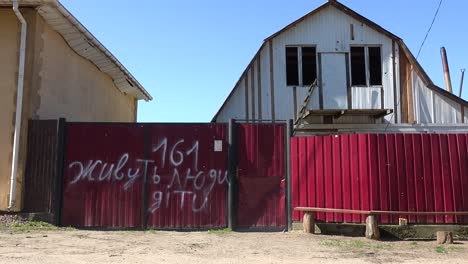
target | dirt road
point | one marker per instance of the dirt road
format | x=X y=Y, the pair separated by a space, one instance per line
x=215 y=247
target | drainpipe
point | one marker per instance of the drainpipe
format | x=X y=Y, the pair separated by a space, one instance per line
x=19 y=107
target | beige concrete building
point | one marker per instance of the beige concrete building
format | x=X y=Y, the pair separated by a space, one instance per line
x=67 y=73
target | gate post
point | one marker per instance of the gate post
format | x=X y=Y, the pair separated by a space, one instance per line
x=289 y=134
x=232 y=175
x=59 y=170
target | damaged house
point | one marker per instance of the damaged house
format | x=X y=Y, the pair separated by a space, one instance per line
x=333 y=70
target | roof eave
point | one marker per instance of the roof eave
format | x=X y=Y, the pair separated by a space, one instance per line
x=121 y=77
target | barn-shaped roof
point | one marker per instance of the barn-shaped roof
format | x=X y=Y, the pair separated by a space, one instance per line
x=333 y=3
x=85 y=44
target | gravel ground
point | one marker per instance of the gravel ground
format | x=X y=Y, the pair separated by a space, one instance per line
x=77 y=246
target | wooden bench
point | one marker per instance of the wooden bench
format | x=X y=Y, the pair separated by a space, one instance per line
x=372 y=228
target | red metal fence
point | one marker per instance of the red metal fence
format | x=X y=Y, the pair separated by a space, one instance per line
x=261 y=175
x=407 y=172
x=152 y=175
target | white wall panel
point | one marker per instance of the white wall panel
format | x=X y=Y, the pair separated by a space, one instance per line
x=265 y=77
x=423 y=101
x=433 y=107
x=466 y=114
x=235 y=106
x=366 y=97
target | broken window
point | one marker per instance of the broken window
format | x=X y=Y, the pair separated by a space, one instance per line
x=366 y=66
x=309 y=65
x=358 y=66
x=375 y=66
x=301 y=66
x=292 y=71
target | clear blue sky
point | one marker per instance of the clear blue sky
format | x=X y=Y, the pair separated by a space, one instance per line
x=188 y=54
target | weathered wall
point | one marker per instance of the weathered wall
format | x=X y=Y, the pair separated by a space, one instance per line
x=57 y=83
x=74 y=88
x=9 y=40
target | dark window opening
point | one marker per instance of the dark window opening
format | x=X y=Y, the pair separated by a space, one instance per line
x=358 y=66
x=292 y=70
x=375 y=66
x=309 y=65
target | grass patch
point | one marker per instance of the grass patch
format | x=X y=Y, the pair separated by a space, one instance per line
x=31 y=226
x=441 y=250
x=353 y=244
x=220 y=231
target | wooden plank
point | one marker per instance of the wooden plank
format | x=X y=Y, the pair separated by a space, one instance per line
x=272 y=82
x=246 y=88
x=395 y=98
x=409 y=91
x=295 y=102
x=320 y=80
x=374 y=212
x=331 y=210
x=252 y=84
x=403 y=87
x=348 y=82
x=462 y=113
x=259 y=85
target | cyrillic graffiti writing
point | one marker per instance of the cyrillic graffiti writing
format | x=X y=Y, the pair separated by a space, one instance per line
x=184 y=181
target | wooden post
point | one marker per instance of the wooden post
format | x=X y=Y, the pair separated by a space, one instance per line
x=372 y=227
x=309 y=222
x=444 y=237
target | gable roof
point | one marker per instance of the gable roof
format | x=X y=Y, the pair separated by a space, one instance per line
x=333 y=3
x=85 y=44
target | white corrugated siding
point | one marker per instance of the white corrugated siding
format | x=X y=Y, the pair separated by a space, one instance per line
x=433 y=107
x=366 y=97
x=235 y=106
x=329 y=31
x=465 y=110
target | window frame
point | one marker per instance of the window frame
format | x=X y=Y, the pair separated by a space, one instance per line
x=299 y=63
x=367 y=65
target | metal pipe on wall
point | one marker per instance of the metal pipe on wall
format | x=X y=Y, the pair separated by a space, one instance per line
x=448 y=81
x=461 y=82
x=19 y=107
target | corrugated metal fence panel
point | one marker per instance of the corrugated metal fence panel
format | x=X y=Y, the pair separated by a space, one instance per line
x=406 y=172
x=261 y=174
x=188 y=179
x=103 y=175
x=40 y=171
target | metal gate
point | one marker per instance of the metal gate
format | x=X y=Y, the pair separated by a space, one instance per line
x=261 y=176
x=145 y=175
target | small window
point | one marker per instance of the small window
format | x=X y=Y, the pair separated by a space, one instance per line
x=375 y=66
x=366 y=66
x=309 y=65
x=358 y=66
x=301 y=66
x=292 y=70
